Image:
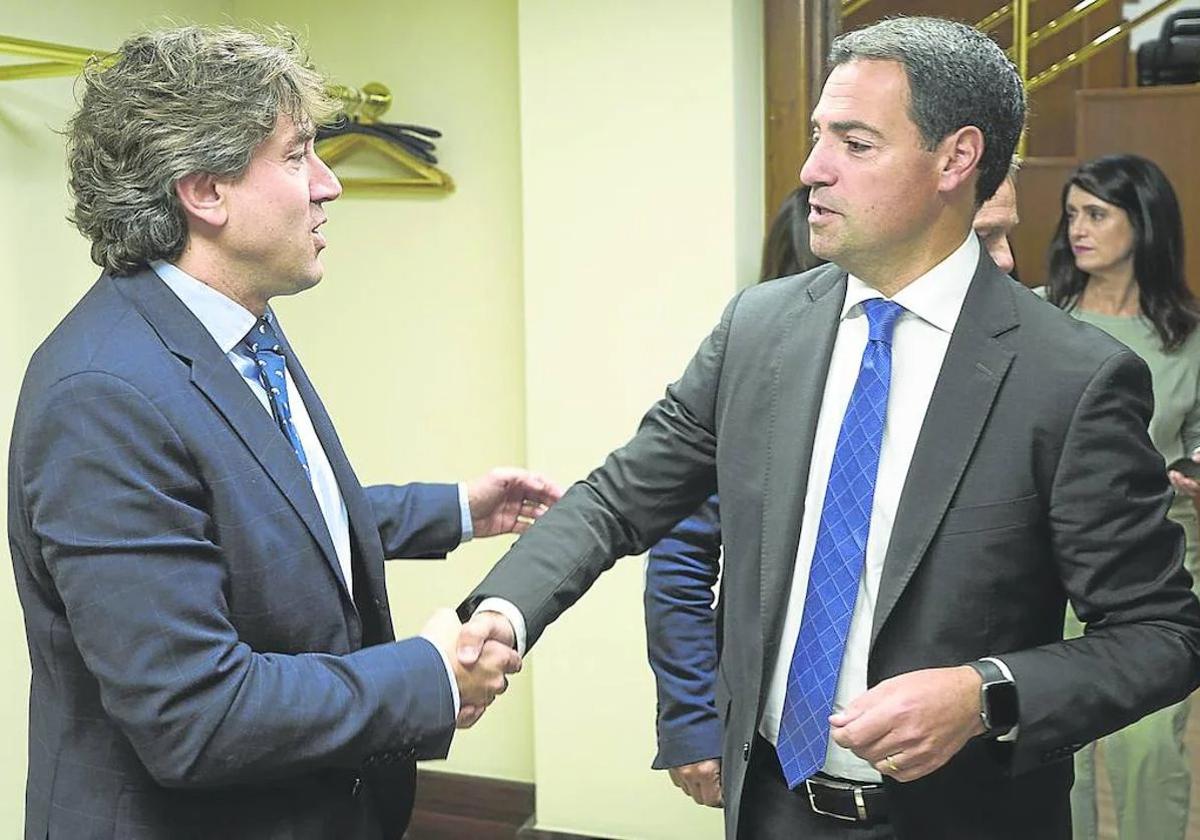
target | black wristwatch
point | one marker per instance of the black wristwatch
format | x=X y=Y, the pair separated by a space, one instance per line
x=997 y=699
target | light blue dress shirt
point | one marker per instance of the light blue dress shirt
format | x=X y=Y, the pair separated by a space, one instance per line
x=228 y=322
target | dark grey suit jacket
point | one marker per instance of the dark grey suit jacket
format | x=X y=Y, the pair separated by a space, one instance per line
x=1033 y=481
x=200 y=668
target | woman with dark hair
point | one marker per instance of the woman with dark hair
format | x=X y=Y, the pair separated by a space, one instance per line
x=1116 y=262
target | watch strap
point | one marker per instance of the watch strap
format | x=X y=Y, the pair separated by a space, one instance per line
x=991 y=674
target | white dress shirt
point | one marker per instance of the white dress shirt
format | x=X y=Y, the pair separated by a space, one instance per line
x=932 y=303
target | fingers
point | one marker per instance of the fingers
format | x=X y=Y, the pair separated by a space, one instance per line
x=537 y=494
x=894 y=765
x=862 y=723
x=509 y=500
x=486 y=679
x=468 y=716
x=909 y=725
x=538 y=489
x=484 y=625
x=849 y=714
x=500 y=657
x=701 y=781
x=1183 y=484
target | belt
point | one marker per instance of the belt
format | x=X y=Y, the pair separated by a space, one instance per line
x=844 y=799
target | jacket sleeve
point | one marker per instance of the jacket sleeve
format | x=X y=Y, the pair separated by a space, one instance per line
x=625 y=505
x=1121 y=564
x=417 y=520
x=681 y=635
x=122 y=517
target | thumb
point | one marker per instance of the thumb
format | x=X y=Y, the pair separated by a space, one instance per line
x=846 y=715
x=470 y=641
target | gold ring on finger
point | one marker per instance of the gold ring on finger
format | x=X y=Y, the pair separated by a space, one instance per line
x=890 y=761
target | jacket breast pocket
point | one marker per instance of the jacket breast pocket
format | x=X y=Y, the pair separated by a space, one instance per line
x=1022 y=511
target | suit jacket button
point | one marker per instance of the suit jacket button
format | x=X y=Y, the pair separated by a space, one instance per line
x=746 y=751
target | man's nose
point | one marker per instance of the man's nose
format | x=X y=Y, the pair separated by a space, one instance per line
x=323 y=185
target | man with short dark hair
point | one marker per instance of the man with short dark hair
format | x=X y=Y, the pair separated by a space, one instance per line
x=919 y=462
x=200 y=570
x=682 y=571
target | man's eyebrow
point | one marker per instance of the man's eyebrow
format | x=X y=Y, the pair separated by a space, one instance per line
x=301 y=136
x=846 y=126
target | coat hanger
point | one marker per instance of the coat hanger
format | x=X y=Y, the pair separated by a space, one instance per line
x=56 y=59
x=408 y=146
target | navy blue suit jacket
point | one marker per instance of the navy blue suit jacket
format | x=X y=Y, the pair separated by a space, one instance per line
x=681 y=634
x=199 y=668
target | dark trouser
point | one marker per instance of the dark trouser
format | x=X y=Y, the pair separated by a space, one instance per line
x=772 y=812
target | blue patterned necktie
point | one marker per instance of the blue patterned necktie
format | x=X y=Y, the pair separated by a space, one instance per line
x=263 y=342
x=838 y=556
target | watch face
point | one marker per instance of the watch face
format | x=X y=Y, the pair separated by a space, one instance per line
x=1002 y=705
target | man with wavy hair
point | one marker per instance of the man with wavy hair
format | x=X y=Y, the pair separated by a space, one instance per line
x=200 y=570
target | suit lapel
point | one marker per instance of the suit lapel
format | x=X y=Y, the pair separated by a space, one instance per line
x=974 y=367
x=358 y=506
x=797 y=380
x=214 y=375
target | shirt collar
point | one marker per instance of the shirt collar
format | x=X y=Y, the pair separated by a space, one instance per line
x=936 y=296
x=226 y=320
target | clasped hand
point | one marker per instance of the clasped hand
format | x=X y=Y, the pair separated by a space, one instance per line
x=481 y=654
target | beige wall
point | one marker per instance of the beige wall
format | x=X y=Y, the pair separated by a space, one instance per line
x=607 y=206
x=642 y=187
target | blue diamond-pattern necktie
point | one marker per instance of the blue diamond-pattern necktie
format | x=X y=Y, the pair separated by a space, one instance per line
x=263 y=342
x=838 y=556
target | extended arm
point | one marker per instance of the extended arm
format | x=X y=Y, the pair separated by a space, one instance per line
x=126 y=539
x=624 y=506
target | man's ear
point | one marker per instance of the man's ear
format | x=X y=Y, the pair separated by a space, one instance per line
x=202 y=199
x=960 y=154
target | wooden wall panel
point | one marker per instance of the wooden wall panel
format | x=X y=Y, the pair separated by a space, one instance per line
x=797 y=34
x=1052 y=114
x=1039 y=195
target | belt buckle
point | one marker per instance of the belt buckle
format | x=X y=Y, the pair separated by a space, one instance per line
x=859 y=804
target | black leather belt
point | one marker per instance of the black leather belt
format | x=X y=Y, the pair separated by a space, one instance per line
x=843 y=799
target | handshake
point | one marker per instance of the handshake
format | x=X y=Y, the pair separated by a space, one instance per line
x=482 y=653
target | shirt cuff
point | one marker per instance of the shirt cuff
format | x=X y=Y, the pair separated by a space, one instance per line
x=449 y=676
x=509 y=611
x=1010 y=735
x=464 y=513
